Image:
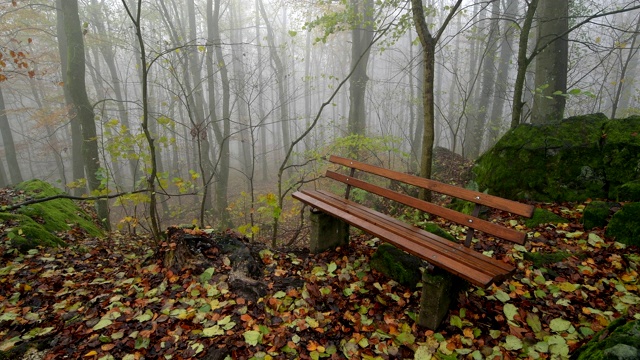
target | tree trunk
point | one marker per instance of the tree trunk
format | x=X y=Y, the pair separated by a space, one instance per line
x=109 y=56
x=280 y=78
x=9 y=146
x=76 y=128
x=502 y=76
x=626 y=81
x=523 y=64
x=488 y=80
x=361 y=37
x=225 y=156
x=552 y=63
x=428 y=48
x=82 y=110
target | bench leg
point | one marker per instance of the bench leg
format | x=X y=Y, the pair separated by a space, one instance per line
x=439 y=289
x=327 y=232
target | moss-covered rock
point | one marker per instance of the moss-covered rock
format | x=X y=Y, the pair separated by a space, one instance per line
x=624 y=226
x=578 y=158
x=622 y=342
x=37 y=224
x=543 y=216
x=539 y=259
x=629 y=191
x=435 y=229
x=596 y=214
x=621 y=152
x=397 y=264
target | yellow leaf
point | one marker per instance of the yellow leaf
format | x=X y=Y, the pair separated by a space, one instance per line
x=91 y=353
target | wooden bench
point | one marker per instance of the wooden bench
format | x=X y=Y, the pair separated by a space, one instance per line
x=455 y=258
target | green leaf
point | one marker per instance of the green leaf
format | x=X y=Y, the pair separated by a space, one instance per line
x=103 y=323
x=558 y=346
x=559 y=325
x=212 y=331
x=423 y=353
x=332 y=267
x=510 y=311
x=575 y=92
x=405 y=338
x=502 y=296
x=512 y=343
x=252 y=337
x=456 y=321
x=534 y=322
x=207 y=274
x=279 y=295
x=144 y=317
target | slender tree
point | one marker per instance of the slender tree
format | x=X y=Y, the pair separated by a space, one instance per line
x=361 y=37
x=82 y=110
x=7 y=140
x=428 y=42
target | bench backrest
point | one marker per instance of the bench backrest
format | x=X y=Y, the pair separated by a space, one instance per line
x=472 y=221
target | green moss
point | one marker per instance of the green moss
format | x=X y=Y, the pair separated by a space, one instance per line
x=539 y=260
x=595 y=215
x=621 y=152
x=543 y=216
x=397 y=264
x=550 y=162
x=435 y=229
x=26 y=234
x=625 y=225
x=620 y=331
x=55 y=215
x=629 y=191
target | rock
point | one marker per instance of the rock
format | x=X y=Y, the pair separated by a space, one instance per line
x=620 y=340
x=543 y=216
x=572 y=160
x=596 y=214
x=435 y=229
x=397 y=264
x=625 y=225
x=629 y=191
x=38 y=224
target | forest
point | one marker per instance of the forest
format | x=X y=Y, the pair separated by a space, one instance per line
x=209 y=114
x=109 y=97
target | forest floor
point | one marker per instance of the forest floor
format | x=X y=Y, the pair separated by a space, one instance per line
x=113 y=299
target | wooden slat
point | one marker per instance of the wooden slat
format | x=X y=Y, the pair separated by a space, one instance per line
x=460 y=218
x=454 y=266
x=441 y=245
x=465 y=194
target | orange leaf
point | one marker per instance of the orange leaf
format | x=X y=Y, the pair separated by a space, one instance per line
x=312 y=345
x=246 y=317
x=107 y=347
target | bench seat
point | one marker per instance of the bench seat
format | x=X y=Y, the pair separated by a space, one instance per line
x=455 y=258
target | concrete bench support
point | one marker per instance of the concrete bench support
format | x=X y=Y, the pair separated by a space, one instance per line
x=327 y=232
x=439 y=290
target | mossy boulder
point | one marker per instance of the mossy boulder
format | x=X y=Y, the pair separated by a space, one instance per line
x=624 y=226
x=38 y=224
x=596 y=214
x=572 y=160
x=544 y=216
x=629 y=191
x=620 y=340
x=435 y=229
x=397 y=264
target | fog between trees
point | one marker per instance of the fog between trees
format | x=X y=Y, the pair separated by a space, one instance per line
x=236 y=96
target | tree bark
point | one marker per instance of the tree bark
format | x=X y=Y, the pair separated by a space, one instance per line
x=82 y=111
x=361 y=37
x=552 y=62
x=9 y=146
x=523 y=64
x=428 y=42
x=76 y=128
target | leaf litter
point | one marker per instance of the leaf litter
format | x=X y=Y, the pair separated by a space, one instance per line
x=112 y=299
